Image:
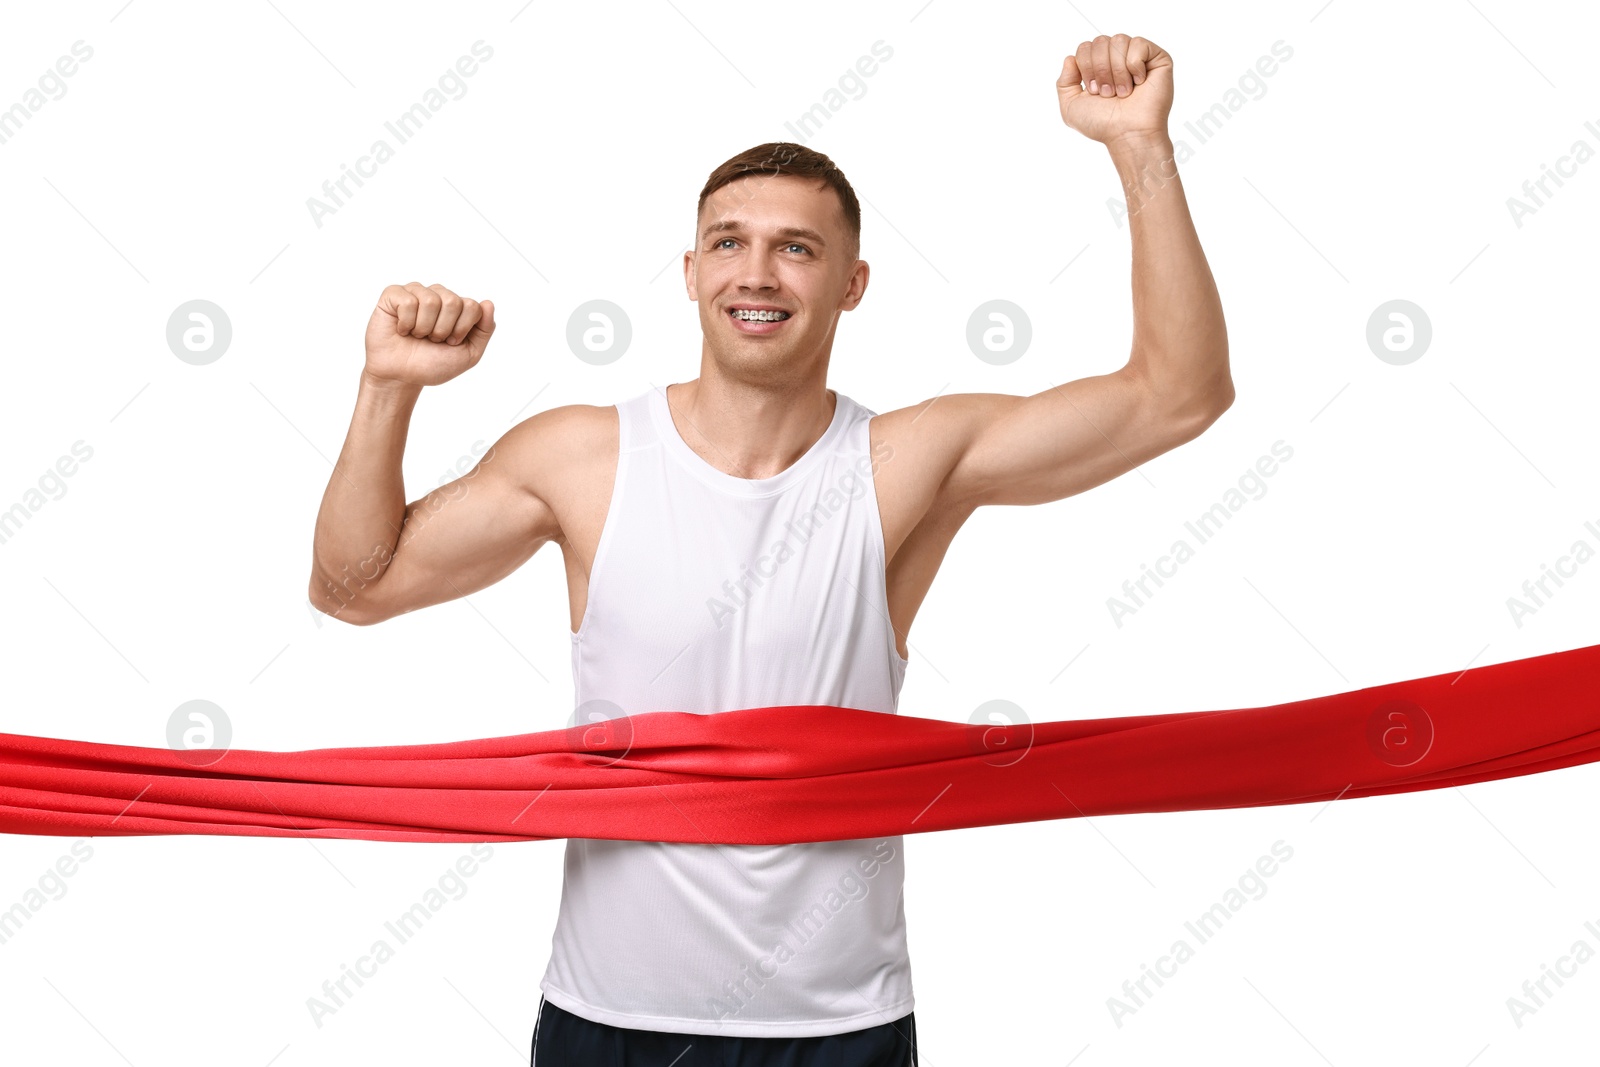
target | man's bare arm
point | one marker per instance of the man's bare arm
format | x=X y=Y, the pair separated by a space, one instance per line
x=375 y=556
x=1000 y=449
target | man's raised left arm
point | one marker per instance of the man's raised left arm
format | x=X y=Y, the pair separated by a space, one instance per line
x=1001 y=449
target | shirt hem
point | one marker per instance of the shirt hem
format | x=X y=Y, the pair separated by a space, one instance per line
x=733 y=1028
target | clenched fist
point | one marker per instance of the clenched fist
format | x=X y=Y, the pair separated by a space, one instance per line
x=426 y=334
x=1116 y=88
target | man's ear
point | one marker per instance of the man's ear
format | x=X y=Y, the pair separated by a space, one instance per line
x=858 y=286
x=689 y=280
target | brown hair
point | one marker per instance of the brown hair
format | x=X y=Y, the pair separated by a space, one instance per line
x=783 y=157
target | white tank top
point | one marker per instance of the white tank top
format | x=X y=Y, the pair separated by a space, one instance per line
x=711 y=593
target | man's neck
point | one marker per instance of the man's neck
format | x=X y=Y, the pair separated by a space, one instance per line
x=750 y=431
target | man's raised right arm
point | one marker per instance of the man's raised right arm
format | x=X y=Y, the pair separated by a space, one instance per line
x=374 y=556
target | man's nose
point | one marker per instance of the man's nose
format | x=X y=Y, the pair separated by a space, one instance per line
x=758 y=270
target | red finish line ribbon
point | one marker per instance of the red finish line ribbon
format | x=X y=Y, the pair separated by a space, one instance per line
x=795 y=773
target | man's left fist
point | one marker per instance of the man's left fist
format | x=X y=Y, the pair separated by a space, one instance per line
x=1116 y=88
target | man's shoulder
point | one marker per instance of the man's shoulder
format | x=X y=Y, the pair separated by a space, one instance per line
x=582 y=422
x=571 y=427
x=558 y=445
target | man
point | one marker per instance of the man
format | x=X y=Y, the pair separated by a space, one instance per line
x=753 y=538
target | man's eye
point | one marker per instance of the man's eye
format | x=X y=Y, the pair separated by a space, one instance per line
x=802 y=247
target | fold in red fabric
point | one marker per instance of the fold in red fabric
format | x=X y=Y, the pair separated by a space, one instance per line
x=796 y=773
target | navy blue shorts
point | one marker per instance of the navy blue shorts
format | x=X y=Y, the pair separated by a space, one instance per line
x=562 y=1039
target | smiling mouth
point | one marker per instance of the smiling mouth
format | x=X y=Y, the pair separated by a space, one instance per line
x=744 y=315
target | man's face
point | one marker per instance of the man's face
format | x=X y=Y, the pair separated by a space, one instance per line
x=777 y=243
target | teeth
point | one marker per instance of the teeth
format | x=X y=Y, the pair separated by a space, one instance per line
x=761 y=316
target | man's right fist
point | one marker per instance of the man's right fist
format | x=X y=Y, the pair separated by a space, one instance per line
x=425 y=334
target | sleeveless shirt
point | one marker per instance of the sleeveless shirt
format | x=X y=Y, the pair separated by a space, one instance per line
x=711 y=593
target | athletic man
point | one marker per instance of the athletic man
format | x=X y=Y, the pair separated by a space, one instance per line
x=751 y=538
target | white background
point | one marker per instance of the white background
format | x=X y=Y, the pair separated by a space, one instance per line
x=1375 y=165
